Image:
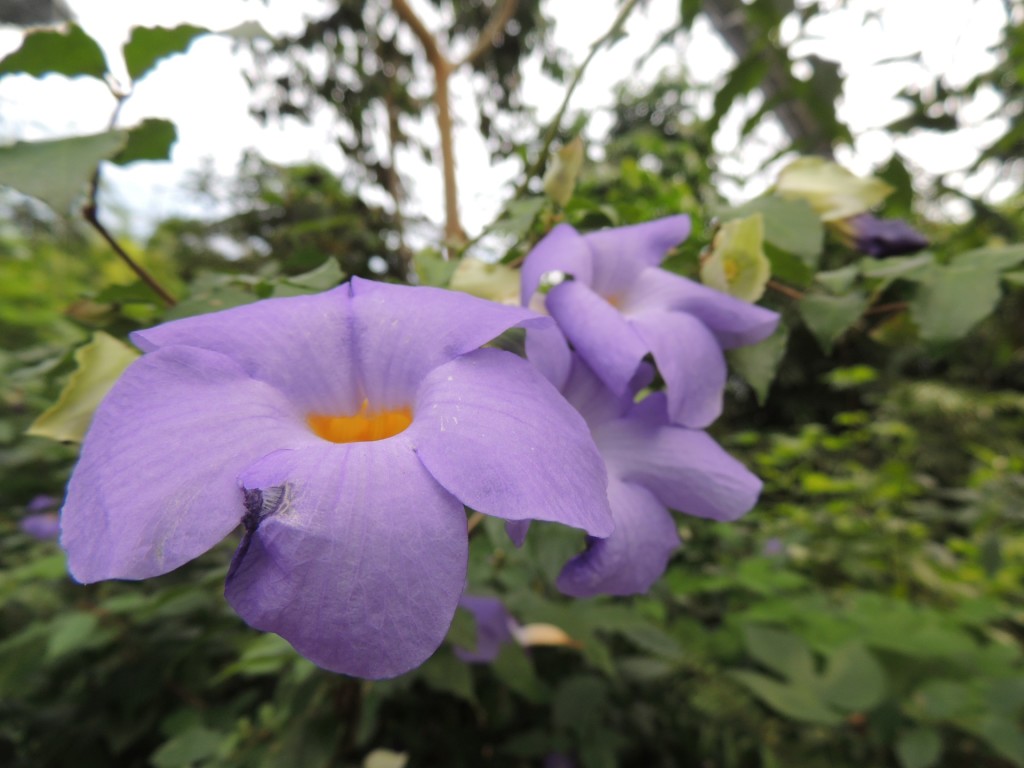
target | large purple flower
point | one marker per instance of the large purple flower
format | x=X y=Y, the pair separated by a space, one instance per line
x=653 y=466
x=345 y=431
x=620 y=306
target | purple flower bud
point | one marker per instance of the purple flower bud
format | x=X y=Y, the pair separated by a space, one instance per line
x=881 y=237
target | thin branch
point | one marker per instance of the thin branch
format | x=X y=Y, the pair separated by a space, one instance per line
x=556 y=121
x=427 y=40
x=495 y=24
x=785 y=290
x=442 y=70
x=91 y=215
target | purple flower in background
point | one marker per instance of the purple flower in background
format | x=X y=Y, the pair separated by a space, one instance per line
x=620 y=306
x=653 y=466
x=881 y=237
x=345 y=431
x=42 y=525
x=494 y=628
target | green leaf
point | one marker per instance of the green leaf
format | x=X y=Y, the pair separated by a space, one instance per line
x=432 y=268
x=832 y=191
x=953 y=299
x=854 y=680
x=838 y=281
x=100 y=363
x=77 y=631
x=151 y=139
x=789 y=225
x=519 y=216
x=463 y=631
x=919 y=748
x=67 y=51
x=57 y=171
x=187 y=748
x=444 y=672
x=758 y=363
x=579 y=704
x=1014 y=278
x=148 y=45
x=992 y=258
x=780 y=651
x=328 y=275
x=887 y=270
x=515 y=669
x=799 y=703
x=828 y=317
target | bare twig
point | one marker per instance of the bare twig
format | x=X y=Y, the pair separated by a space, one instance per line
x=556 y=121
x=442 y=70
x=785 y=290
x=91 y=208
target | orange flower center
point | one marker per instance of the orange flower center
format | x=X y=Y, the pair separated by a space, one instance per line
x=360 y=427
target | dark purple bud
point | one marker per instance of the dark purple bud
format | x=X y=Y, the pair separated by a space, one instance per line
x=494 y=627
x=882 y=237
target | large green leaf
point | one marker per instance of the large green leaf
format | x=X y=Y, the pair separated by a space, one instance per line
x=919 y=748
x=148 y=45
x=780 y=651
x=797 y=702
x=758 y=363
x=953 y=299
x=57 y=171
x=854 y=680
x=151 y=139
x=100 y=364
x=828 y=317
x=789 y=225
x=68 y=51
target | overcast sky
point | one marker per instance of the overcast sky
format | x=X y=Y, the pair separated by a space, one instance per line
x=204 y=93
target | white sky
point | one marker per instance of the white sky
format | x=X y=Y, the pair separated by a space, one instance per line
x=204 y=93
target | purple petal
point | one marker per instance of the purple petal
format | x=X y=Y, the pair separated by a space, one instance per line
x=563 y=250
x=633 y=557
x=516 y=530
x=363 y=565
x=622 y=253
x=156 y=484
x=493 y=628
x=589 y=395
x=691 y=362
x=598 y=332
x=42 y=503
x=686 y=469
x=498 y=436
x=548 y=351
x=301 y=345
x=735 y=323
x=401 y=333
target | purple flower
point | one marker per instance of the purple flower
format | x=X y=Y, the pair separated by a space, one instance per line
x=653 y=466
x=620 y=306
x=345 y=431
x=881 y=237
x=43 y=525
x=42 y=503
x=494 y=628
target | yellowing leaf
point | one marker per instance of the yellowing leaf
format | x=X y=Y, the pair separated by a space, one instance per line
x=737 y=264
x=488 y=281
x=100 y=363
x=560 y=179
x=832 y=191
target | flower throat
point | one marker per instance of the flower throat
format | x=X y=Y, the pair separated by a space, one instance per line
x=360 y=427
